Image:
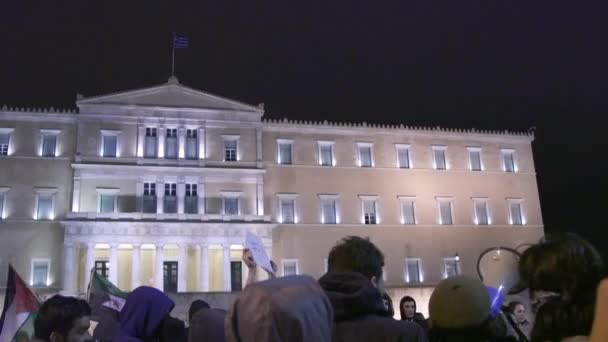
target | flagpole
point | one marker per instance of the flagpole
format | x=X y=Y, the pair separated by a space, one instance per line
x=173 y=56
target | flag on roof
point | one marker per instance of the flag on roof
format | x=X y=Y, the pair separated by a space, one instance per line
x=180 y=42
x=20 y=308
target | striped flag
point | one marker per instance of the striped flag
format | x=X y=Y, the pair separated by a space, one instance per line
x=20 y=308
x=180 y=42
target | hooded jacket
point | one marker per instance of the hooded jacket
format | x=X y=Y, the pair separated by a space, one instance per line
x=418 y=317
x=143 y=314
x=359 y=311
x=287 y=309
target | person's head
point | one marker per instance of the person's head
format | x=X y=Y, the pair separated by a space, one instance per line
x=557 y=319
x=63 y=319
x=459 y=310
x=195 y=307
x=561 y=265
x=518 y=310
x=388 y=304
x=356 y=254
x=407 y=306
x=145 y=315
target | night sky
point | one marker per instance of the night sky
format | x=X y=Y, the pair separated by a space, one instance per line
x=484 y=64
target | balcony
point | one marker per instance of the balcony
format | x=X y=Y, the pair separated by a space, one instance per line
x=166 y=217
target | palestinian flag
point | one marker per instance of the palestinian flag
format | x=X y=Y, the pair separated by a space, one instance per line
x=106 y=301
x=20 y=308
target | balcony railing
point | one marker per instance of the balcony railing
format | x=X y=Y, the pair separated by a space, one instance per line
x=166 y=217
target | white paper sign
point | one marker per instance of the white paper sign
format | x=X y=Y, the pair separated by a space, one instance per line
x=258 y=252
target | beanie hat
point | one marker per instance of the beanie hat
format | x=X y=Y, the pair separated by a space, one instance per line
x=459 y=302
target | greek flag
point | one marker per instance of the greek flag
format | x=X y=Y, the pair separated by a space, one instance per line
x=180 y=42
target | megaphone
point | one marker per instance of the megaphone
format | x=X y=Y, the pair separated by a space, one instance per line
x=498 y=267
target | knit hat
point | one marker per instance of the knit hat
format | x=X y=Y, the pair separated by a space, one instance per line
x=459 y=302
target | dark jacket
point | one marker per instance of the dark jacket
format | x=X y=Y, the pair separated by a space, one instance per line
x=359 y=312
x=287 y=309
x=420 y=320
x=207 y=325
x=144 y=314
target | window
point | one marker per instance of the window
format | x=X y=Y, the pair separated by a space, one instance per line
x=515 y=213
x=191 y=143
x=287 y=204
x=109 y=145
x=365 y=154
x=48 y=146
x=40 y=272
x=170 y=198
x=231 y=147
x=102 y=267
x=445 y=211
x=451 y=267
x=191 y=199
x=403 y=156
x=45 y=204
x=231 y=202
x=439 y=161
x=285 y=151
x=5 y=140
x=289 y=266
x=482 y=216
x=326 y=153
x=328 y=209
x=107 y=200
x=474 y=158
x=368 y=204
x=171 y=143
x=413 y=271
x=151 y=143
x=408 y=210
x=149 y=198
x=508 y=162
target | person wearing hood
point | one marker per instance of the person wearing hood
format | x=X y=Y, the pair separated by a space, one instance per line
x=287 y=309
x=407 y=307
x=146 y=318
x=353 y=284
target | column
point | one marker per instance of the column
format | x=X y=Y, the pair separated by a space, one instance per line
x=113 y=278
x=135 y=266
x=161 y=142
x=158 y=268
x=202 y=154
x=227 y=278
x=260 y=195
x=139 y=194
x=181 y=142
x=76 y=192
x=182 y=267
x=201 y=197
x=160 y=196
x=258 y=134
x=181 y=194
x=69 y=273
x=89 y=263
x=141 y=140
x=204 y=267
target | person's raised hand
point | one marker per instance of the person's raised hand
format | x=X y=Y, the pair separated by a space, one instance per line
x=248 y=258
x=599 y=333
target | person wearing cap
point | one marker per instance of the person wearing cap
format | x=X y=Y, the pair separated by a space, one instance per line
x=460 y=310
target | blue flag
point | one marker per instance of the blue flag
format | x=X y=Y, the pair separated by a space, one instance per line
x=180 y=42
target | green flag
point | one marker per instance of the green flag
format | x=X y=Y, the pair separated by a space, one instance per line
x=102 y=293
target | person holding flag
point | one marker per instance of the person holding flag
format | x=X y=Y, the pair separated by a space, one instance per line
x=106 y=302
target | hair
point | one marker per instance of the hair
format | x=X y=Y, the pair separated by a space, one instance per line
x=403 y=300
x=558 y=319
x=196 y=306
x=391 y=311
x=58 y=314
x=562 y=263
x=513 y=305
x=356 y=254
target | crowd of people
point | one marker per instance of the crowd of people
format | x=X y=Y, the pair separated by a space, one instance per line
x=562 y=273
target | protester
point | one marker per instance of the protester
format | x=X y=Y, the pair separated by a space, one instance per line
x=460 y=311
x=353 y=284
x=562 y=273
x=146 y=317
x=63 y=319
x=287 y=309
x=207 y=325
x=195 y=306
x=407 y=307
x=388 y=305
x=519 y=319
